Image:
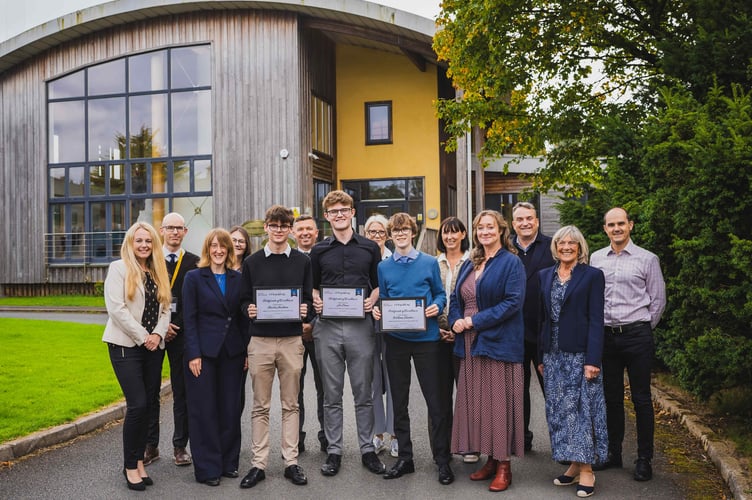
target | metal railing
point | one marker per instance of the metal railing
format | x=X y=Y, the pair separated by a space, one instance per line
x=97 y=247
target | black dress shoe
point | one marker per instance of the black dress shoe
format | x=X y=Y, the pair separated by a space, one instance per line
x=331 y=466
x=253 y=477
x=296 y=475
x=372 y=463
x=613 y=461
x=139 y=486
x=212 y=481
x=643 y=470
x=446 y=476
x=232 y=474
x=402 y=467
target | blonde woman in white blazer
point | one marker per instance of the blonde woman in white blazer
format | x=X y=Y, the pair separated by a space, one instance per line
x=137 y=295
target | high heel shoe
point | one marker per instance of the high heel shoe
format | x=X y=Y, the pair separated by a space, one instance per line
x=139 y=486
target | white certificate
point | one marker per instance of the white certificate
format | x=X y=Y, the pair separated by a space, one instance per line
x=405 y=314
x=343 y=302
x=277 y=304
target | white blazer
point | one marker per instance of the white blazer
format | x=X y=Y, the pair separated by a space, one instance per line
x=124 y=322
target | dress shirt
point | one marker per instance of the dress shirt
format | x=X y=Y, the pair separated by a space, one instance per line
x=268 y=250
x=405 y=259
x=635 y=290
x=351 y=264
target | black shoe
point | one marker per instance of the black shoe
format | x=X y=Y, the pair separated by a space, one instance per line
x=528 y=440
x=372 y=462
x=612 y=462
x=253 y=477
x=232 y=474
x=446 y=476
x=139 y=486
x=643 y=471
x=331 y=466
x=147 y=481
x=212 y=481
x=296 y=475
x=402 y=467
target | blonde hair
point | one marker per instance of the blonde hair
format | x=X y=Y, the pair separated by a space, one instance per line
x=225 y=240
x=155 y=264
x=479 y=253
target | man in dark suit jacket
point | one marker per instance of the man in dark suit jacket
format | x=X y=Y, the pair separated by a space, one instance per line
x=534 y=249
x=179 y=262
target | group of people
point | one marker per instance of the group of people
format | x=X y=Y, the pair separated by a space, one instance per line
x=492 y=316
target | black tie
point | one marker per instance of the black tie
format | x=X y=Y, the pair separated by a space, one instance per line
x=171 y=263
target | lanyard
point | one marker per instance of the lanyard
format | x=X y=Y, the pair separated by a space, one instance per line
x=177 y=268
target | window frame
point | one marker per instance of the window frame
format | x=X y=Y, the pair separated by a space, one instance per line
x=370 y=107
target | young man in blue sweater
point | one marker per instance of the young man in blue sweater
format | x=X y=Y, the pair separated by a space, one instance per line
x=409 y=273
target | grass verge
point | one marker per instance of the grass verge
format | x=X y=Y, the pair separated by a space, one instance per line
x=52 y=372
x=54 y=300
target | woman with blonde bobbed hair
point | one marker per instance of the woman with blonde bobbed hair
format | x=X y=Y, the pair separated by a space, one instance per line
x=137 y=295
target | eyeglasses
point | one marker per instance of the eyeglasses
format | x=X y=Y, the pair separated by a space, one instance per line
x=237 y=241
x=339 y=211
x=171 y=229
x=376 y=232
x=402 y=230
x=277 y=227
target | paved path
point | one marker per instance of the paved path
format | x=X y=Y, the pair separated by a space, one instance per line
x=90 y=468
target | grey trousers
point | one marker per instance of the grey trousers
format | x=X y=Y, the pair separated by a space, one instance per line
x=346 y=344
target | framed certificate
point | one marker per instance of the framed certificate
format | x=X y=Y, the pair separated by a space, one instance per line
x=404 y=314
x=277 y=304
x=343 y=302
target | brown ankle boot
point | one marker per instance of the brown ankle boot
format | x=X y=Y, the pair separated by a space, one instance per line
x=485 y=472
x=503 y=476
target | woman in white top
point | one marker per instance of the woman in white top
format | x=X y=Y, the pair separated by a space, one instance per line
x=383 y=421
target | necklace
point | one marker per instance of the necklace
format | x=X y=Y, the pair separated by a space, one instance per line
x=564 y=274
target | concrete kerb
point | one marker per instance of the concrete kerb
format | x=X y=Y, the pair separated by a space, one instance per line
x=720 y=452
x=18 y=448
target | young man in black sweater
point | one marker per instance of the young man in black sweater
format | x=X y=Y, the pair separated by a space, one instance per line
x=275 y=345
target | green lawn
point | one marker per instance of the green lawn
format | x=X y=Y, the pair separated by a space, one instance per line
x=54 y=300
x=52 y=372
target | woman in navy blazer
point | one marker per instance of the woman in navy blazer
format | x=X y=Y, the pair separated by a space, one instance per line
x=216 y=339
x=571 y=346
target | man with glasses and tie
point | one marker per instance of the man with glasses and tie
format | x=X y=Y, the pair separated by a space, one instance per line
x=348 y=264
x=179 y=262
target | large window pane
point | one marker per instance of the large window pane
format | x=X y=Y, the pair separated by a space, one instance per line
x=106 y=129
x=386 y=190
x=190 y=67
x=147 y=71
x=198 y=217
x=191 y=123
x=76 y=177
x=66 y=131
x=107 y=78
x=148 y=126
x=202 y=175
x=67 y=86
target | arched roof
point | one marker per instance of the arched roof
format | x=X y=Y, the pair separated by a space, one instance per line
x=355 y=22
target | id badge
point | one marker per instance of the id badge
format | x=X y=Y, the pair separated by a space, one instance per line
x=174 y=305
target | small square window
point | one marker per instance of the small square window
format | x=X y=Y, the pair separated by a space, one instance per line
x=379 y=122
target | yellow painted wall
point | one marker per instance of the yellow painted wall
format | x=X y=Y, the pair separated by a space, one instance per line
x=365 y=75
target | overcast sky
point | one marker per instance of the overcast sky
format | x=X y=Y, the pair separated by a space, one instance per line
x=21 y=15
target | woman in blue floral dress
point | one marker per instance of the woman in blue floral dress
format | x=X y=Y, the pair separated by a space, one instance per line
x=571 y=346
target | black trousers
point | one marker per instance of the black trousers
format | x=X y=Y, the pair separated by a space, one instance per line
x=309 y=354
x=138 y=371
x=174 y=350
x=426 y=357
x=633 y=350
x=531 y=357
